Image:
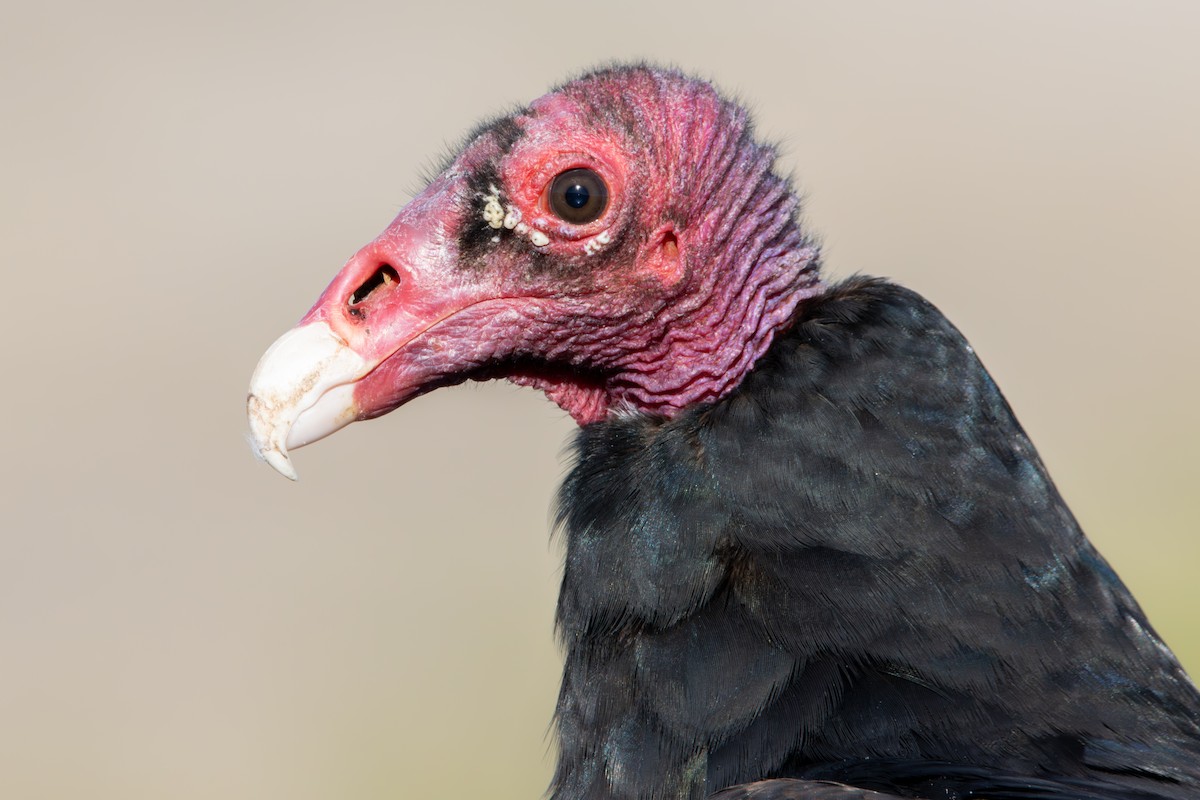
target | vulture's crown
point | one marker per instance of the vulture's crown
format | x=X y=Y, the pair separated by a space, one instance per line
x=810 y=553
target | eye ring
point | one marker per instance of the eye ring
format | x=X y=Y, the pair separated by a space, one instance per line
x=578 y=196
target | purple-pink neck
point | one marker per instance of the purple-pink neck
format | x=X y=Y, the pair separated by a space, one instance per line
x=756 y=268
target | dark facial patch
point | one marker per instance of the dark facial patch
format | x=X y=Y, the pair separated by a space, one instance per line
x=476 y=237
x=478 y=241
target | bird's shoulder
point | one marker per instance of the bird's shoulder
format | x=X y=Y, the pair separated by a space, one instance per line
x=869 y=345
x=874 y=401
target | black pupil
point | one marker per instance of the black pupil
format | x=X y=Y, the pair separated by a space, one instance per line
x=577 y=195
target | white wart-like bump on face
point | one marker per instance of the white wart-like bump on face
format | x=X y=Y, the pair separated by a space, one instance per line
x=493 y=212
x=597 y=244
x=498 y=216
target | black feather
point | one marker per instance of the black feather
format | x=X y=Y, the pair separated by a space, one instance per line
x=854 y=568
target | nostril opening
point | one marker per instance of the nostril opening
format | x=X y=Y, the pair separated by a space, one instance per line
x=385 y=275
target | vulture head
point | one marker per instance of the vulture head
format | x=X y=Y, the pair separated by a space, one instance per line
x=621 y=244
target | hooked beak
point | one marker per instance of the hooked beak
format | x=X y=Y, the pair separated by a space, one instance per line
x=400 y=318
x=301 y=391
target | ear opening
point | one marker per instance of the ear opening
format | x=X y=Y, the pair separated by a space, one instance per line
x=664 y=259
x=670 y=246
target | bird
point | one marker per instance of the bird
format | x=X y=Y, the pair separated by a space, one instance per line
x=809 y=550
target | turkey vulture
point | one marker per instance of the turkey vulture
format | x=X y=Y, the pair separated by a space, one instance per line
x=810 y=553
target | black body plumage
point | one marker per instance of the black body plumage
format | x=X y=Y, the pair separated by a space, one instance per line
x=853 y=571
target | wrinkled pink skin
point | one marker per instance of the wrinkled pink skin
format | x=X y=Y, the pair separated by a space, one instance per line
x=705 y=262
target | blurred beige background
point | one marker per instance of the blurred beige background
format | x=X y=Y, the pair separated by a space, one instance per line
x=179 y=181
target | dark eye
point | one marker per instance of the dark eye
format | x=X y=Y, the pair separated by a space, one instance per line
x=578 y=196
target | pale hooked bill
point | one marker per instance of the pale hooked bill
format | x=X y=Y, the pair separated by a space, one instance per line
x=302 y=390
